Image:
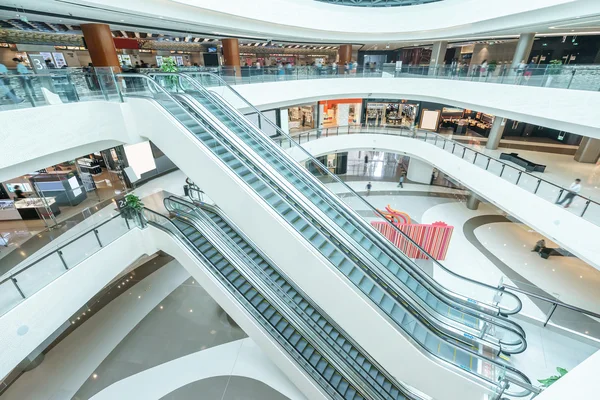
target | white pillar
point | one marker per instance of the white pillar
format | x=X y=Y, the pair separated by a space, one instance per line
x=284 y=119
x=496 y=133
x=522 y=51
x=419 y=171
x=438 y=53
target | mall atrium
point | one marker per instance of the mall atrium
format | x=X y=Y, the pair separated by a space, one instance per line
x=299 y=199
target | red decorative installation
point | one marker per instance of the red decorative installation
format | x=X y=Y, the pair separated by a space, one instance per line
x=433 y=238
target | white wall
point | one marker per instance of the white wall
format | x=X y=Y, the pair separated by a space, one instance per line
x=419 y=171
x=26 y=326
x=301 y=261
x=581 y=383
x=313 y=20
x=35 y=138
x=563 y=227
x=572 y=111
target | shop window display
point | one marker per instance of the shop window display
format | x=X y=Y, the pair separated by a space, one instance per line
x=301 y=118
x=465 y=122
x=401 y=114
x=344 y=112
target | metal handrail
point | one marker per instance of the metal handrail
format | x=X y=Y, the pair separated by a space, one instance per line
x=509 y=287
x=201 y=221
x=454 y=142
x=333 y=323
x=514 y=328
x=367 y=204
x=94 y=229
x=233 y=259
x=472 y=353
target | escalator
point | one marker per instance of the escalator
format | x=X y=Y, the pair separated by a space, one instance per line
x=396 y=269
x=319 y=346
x=432 y=336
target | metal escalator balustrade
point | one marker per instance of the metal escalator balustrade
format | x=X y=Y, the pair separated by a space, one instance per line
x=510 y=303
x=256 y=178
x=319 y=361
x=513 y=336
x=356 y=357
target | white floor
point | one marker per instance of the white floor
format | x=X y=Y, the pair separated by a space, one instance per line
x=76 y=359
x=567 y=278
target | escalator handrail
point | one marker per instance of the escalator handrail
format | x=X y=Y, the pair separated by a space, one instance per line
x=367 y=204
x=517 y=330
x=252 y=311
x=431 y=284
x=417 y=304
x=454 y=325
x=197 y=213
x=473 y=353
x=240 y=262
x=268 y=174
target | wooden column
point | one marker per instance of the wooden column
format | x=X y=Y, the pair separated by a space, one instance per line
x=231 y=55
x=345 y=54
x=101 y=46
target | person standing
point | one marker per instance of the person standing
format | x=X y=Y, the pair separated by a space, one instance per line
x=366 y=159
x=25 y=79
x=401 y=181
x=369 y=186
x=571 y=193
x=5 y=87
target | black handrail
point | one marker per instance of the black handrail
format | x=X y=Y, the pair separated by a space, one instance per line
x=441 y=137
x=367 y=204
x=11 y=276
x=509 y=287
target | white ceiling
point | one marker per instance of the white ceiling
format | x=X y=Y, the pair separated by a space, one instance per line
x=307 y=21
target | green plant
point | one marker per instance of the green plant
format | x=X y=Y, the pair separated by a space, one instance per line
x=133 y=206
x=554 y=67
x=169 y=65
x=492 y=66
x=549 y=381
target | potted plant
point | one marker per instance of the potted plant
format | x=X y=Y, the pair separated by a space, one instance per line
x=133 y=209
x=554 y=68
x=492 y=67
x=169 y=65
x=549 y=381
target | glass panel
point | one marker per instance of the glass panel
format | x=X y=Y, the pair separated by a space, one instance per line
x=40 y=274
x=112 y=230
x=9 y=296
x=80 y=249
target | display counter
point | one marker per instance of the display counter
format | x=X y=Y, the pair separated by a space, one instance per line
x=8 y=211
x=35 y=207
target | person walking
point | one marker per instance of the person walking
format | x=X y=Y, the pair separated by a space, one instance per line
x=401 y=181
x=571 y=193
x=369 y=186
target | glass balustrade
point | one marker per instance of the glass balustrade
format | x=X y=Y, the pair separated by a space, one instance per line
x=44 y=267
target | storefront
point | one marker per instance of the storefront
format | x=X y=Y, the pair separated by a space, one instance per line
x=401 y=113
x=301 y=118
x=343 y=112
x=465 y=122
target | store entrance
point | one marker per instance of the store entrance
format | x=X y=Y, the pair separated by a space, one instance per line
x=301 y=118
x=398 y=113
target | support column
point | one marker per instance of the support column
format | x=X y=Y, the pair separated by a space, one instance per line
x=231 y=55
x=438 y=53
x=99 y=41
x=419 y=171
x=473 y=201
x=522 y=51
x=345 y=55
x=496 y=133
x=588 y=151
